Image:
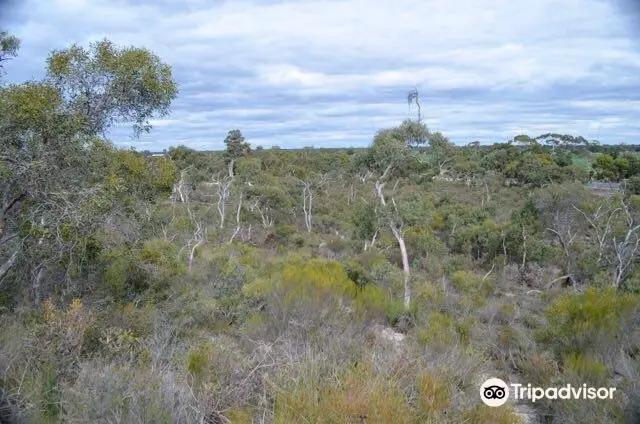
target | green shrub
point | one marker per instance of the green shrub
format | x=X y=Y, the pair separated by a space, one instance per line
x=152 y=268
x=316 y=282
x=585 y=369
x=50 y=394
x=199 y=360
x=633 y=185
x=631 y=284
x=358 y=395
x=283 y=231
x=435 y=396
x=440 y=331
x=469 y=283
x=482 y=414
x=584 y=322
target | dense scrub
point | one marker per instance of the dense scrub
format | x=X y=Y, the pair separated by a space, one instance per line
x=277 y=286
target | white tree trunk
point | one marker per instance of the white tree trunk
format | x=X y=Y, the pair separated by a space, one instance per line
x=8 y=264
x=192 y=252
x=238 y=226
x=307 y=199
x=397 y=232
x=405 y=264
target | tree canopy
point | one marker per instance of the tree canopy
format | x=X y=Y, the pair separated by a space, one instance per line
x=105 y=84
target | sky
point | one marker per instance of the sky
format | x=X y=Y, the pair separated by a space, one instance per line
x=330 y=73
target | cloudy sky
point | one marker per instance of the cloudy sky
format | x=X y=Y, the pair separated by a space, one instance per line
x=328 y=73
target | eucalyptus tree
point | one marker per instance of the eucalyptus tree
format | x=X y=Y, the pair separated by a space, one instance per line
x=106 y=84
x=9 y=46
x=388 y=157
x=56 y=183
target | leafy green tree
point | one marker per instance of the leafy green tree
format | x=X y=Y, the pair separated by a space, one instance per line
x=415 y=133
x=388 y=158
x=9 y=46
x=633 y=185
x=442 y=153
x=562 y=141
x=604 y=167
x=237 y=147
x=105 y=84
x=499 y=157
x=59 y=182
x=524 y=140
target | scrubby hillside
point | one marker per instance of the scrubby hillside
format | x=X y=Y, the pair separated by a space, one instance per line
x=377 y=285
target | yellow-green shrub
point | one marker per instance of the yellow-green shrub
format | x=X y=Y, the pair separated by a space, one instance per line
x=358 y=393
x=585 y=369
x=440 y=331
x=482 y=414
x=583 y=322
x=435 y=395
x=318 y=282
x=199 y=360
x=469 y=283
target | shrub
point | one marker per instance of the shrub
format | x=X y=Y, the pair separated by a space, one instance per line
x=585 y=369
x=358 y=395
x=631 y=284
x=588 y=322
x=199 y=360
x=482 y=414
x=283 y=231
x=468 y=283
x=131 y=272
x=435 y=395
x=440 y=331
x=318 y=283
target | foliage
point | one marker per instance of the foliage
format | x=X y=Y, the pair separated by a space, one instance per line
x=357 y=394
x=584 y=322
x=105 y=84
x=236 y=145
x=9 y=46
x=512 y=264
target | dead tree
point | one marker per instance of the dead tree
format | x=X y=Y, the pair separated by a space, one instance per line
x=263 y=210
x=626 y=249
x=562 y=229
x=310 y=187
x=223 y=186
x=198 y=238
x=180 y=189
x=618 y=245
x=414 y=96
x=600 y=223
x=238 y=225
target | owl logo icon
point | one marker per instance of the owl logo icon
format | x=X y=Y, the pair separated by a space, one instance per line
x=494 y=392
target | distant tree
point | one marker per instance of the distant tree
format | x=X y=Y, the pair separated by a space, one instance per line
x=442 y=153
x=562 y=141
x=604 y=167
x=414 y=97
x=9 y=46
x=105 y=84
x=237 y=147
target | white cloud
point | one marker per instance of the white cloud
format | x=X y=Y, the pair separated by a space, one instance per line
x=486 y=68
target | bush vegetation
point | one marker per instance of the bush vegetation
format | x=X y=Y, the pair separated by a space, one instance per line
x=377 y=285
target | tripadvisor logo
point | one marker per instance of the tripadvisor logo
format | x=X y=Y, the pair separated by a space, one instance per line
x=495 y=392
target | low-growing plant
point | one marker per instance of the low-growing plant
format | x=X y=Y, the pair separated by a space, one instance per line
x=592 y=321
